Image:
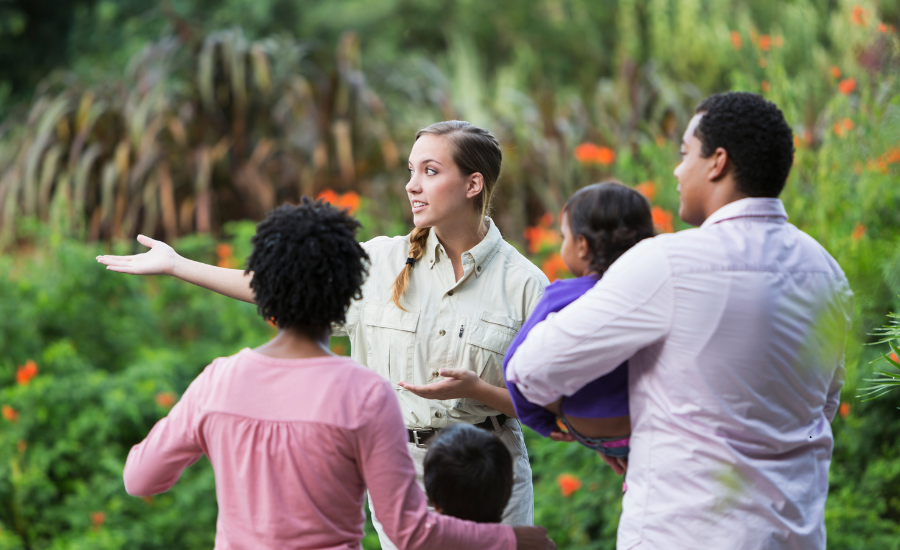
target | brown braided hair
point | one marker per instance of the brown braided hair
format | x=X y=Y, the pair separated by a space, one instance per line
x=474 y=150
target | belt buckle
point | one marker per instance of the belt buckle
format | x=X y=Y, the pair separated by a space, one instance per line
x=416 y=441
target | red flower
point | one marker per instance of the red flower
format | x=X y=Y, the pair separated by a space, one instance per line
x=225 y=254
x=765 y=42
x=10 y=413
x=165 y=399
x=647 y=188
x=847 y=124
x=765 y=86
x=847 y=86
x=568 y=484
x=541 y=236
x=554 y=267
x=588 y=153
x=26 y=372
x=348 y=201
x=844 y=410
x=835 y=72
x=97 y=520
x=662 y=220
x=736 y=40
x=882 y=27
x=858 y=16
x=858 y=232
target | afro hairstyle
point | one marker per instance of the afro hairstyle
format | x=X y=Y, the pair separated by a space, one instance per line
x=756 y=136
x=307 y=266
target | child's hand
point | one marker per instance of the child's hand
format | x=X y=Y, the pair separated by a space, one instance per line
x=457 y=384
x=619 y=465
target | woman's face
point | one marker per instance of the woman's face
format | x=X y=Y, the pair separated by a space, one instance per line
x=438 y=193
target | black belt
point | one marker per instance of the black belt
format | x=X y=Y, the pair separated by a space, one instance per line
x=420 y=436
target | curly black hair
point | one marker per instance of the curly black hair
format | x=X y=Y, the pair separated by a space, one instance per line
x=756 y=136
x=307 y=266
x=468 y=474
x=612 y=218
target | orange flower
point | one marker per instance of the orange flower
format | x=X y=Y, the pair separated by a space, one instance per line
x=662 y=220
x=272 y=323
x=736 y=40
x=554 y=267
x=847 y=124
x=847 y=86
x=541 y=236
x=568 y=484
x=858 y=232
x=894 y=357
x=838 y=129
x=561 y=426
x=807 y=137
x=26 y=372
x=844 y=410
x=165 y=399
x=588 y=153
x=762 y=63
x=882 y=27
x=348 y=201
x=225 y=254
x=765 y=42
x=765 y=86
x=648 y=189
x=10 y=413
x=858 y=16
x=798 y=143
x=97 y=520
x=835 y=72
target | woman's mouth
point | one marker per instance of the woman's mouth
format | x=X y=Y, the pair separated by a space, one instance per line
x=418 y=206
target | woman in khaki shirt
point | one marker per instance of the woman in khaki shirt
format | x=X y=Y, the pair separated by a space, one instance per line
x=439 y=306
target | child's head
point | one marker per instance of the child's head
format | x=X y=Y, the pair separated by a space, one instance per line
x=599 y=223
x=469 y=474
x=307 y=266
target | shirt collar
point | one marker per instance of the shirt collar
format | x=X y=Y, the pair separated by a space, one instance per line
x=749 y=208
x=480 y=254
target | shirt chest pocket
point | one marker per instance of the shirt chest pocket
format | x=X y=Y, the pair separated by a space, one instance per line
x=390 y=337
x=487 y=340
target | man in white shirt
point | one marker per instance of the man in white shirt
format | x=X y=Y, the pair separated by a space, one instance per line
x=735 y=333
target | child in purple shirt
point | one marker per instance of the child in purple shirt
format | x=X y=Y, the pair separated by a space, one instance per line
x=599 y=223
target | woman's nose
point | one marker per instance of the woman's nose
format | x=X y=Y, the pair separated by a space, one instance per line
x=413 y=185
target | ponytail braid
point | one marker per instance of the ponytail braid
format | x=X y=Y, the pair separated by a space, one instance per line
x=417 y=240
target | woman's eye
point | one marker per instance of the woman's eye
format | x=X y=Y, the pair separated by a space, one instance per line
x=430 y=171
x=410 y=170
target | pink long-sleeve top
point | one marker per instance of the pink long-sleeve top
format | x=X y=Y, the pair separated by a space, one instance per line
x=294 y=444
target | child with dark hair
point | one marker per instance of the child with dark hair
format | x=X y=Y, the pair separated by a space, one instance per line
x=295 y=434
x=599 y=223
x=468 y=474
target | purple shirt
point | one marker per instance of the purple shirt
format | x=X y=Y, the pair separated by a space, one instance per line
x=605 y=397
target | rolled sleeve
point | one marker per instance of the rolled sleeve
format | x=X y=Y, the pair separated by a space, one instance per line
x=628 y=310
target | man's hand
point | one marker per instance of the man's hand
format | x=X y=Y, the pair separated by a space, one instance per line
x=532 y=538
x=559 y=435
x=619 y=465
x=457 y=384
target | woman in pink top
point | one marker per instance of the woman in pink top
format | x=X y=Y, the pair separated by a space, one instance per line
x=296 y=434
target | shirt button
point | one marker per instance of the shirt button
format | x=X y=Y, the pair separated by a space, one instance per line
x=478 y=269
x=450 y=293
x=442 y=332
x=435 y=374
x=438 y=414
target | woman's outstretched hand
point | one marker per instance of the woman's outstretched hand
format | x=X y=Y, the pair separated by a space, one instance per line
x=532 y=538
x=159 y=260
x=457 y=384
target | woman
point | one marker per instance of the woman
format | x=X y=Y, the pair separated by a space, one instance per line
x=440 y=305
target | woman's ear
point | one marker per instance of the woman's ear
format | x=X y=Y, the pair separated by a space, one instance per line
x=474 y=185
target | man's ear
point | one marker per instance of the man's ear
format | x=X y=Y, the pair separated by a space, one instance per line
x=474 y=185
x=719 y=166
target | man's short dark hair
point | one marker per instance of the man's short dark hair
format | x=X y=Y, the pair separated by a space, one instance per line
x=307 y=266
x=469 y=474
x=756 y=136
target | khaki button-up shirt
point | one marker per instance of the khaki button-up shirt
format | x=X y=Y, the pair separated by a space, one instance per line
x=465 y=324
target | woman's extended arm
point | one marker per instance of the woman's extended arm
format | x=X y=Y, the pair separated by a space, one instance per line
x=462 y=383
x=162 y=259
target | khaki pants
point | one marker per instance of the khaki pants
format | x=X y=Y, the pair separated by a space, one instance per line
x=519 y=511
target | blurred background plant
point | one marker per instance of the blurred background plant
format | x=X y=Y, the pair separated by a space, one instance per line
x=187 y=120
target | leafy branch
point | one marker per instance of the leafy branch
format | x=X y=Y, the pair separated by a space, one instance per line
x=888 y=380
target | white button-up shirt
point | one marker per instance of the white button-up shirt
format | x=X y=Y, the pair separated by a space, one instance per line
x=465 y=324
x=735 y=333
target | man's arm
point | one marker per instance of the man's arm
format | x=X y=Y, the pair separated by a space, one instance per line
x=628 y=310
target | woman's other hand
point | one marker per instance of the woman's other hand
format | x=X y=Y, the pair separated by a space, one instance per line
x=619 y=465
x=457 y=384
x=159 y=260
x=559 y=435
x=532 y=538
